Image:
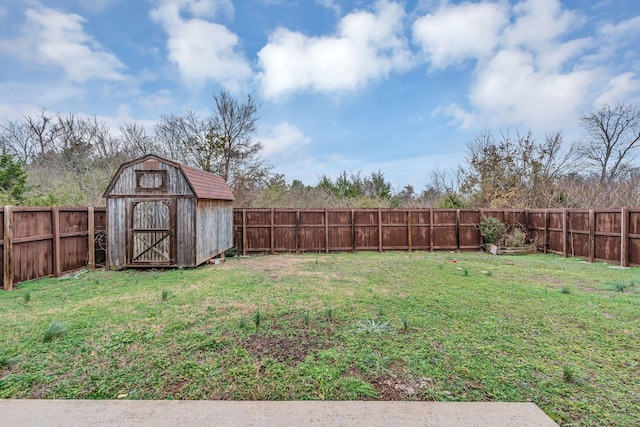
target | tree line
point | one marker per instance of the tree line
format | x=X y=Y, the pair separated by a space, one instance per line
x=68 y=159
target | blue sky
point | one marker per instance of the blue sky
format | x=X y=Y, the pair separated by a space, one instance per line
x=396 y=86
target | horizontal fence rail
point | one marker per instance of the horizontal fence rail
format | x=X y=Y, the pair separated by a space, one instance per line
x=49 y=241
x=595 y=234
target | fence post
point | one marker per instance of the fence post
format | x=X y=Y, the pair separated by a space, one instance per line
x=624 y=238
x=481 y=215
x=298 y=231
x=273 y=224
x=8 y=248
x=326 y=230
x=379 y=230
x=353 y=229
x=57 y=264
x=91 y=231
x=430 y=229
x=565 y=219
x=458 y=230
x=546 y=230
x=244 y=232
x=592 y=235
x=409 y=230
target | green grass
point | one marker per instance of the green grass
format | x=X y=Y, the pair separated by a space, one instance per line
x=310 y=327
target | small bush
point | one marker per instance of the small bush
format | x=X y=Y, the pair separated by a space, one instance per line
x=492 y=230
x=516 y=239
x=26 y=297
x=54 y=330
x=565 y=290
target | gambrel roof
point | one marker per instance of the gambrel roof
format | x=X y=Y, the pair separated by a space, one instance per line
x=205 y=185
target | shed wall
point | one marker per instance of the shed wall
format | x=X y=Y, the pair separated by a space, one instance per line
x=185 y=229
x=117 y=232
x=214 y=228
x=176 y=183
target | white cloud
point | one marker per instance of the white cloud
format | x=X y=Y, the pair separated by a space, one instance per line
x=527 y=71
x=622 y=29
x=332 y=5
x=281 y=140
x=459 y=32
x=201 y=49
x=618 y=89
x=538 y=23
x=54 y=38
x=159 y=99
x=459 y=117
x=366 y=47
x=511 y=90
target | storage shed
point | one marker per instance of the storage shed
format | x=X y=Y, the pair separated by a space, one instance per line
x=166 y=214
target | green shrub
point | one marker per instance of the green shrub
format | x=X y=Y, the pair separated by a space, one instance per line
x=492 y=230
x=516 y=239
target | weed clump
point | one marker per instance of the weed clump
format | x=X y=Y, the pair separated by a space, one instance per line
x=54 y=330
x=565 y=290
x=328 y=313
x=570 y=375
x=165 y=295
x=257 y=319
x=26 y=297
x=373 y=326
x=622 y=287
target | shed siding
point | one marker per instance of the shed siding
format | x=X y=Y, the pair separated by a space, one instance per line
x=185 y=229
x=116 y=232
x=214 y=228
x=176 y=183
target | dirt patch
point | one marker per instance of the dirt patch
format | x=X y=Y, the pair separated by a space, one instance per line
x=265 y=263
x=286 y=347
x=399 y=388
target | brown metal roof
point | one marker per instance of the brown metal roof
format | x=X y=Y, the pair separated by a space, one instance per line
x=206 y=185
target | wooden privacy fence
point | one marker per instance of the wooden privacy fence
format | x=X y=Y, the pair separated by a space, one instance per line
x=43 y=242
x=48 y=241
x=596 y=234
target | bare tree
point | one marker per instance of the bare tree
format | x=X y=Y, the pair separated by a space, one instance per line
x=45 y=131
x=221 y=143
x=612 y=137
x=232 y=127
x=137 y=142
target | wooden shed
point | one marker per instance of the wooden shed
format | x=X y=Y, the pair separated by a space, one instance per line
x=166 y=214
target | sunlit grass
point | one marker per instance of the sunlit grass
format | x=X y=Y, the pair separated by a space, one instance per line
x=412 y=326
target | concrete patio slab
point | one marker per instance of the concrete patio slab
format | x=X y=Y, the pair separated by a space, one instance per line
x=156 y=413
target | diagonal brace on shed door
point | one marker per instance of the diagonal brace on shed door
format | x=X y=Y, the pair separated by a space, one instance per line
x=152 y=247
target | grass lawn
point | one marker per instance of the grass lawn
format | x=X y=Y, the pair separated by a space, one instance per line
x=412 y=326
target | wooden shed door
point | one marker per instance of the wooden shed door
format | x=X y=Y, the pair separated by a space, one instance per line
x=151 y=232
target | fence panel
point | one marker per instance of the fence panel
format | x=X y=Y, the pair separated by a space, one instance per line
x=42 y=241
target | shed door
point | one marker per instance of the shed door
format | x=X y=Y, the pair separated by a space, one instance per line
x=151 y=232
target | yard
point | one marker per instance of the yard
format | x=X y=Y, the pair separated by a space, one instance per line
x=402 y=326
